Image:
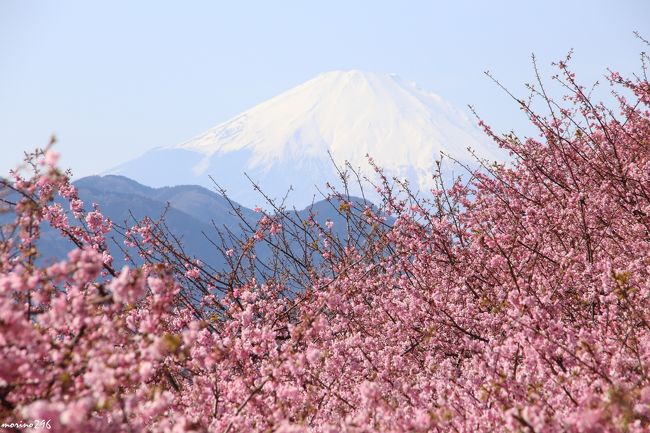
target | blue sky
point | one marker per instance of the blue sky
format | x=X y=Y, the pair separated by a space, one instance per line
x=115 y=78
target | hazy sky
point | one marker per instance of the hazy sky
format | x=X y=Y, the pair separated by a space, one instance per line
x=115 y=78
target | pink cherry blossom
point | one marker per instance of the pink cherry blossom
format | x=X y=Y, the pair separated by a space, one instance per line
x=517 y=302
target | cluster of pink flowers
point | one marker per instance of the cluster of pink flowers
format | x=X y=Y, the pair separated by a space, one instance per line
x=517 y=303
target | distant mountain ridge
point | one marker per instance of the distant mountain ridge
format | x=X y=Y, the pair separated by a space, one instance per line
x=291 y=139
x=192 y=213
x=192 y=200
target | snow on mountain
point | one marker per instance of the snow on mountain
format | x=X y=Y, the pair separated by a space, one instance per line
x=285 y=141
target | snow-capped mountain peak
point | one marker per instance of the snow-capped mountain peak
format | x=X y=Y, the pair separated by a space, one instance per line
x=349 y=114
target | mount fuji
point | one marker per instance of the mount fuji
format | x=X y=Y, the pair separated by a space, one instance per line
x=291 y=140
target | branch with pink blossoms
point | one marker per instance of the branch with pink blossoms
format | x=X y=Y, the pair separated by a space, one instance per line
x=517 y=300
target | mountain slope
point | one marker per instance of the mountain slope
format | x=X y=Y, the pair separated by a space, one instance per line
x=191 y=214
x=121 y=198
x=287 y=140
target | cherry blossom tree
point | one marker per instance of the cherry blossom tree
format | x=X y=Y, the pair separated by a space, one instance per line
x=515 y=301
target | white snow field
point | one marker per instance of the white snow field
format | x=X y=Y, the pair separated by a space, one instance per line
x=286 y=141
